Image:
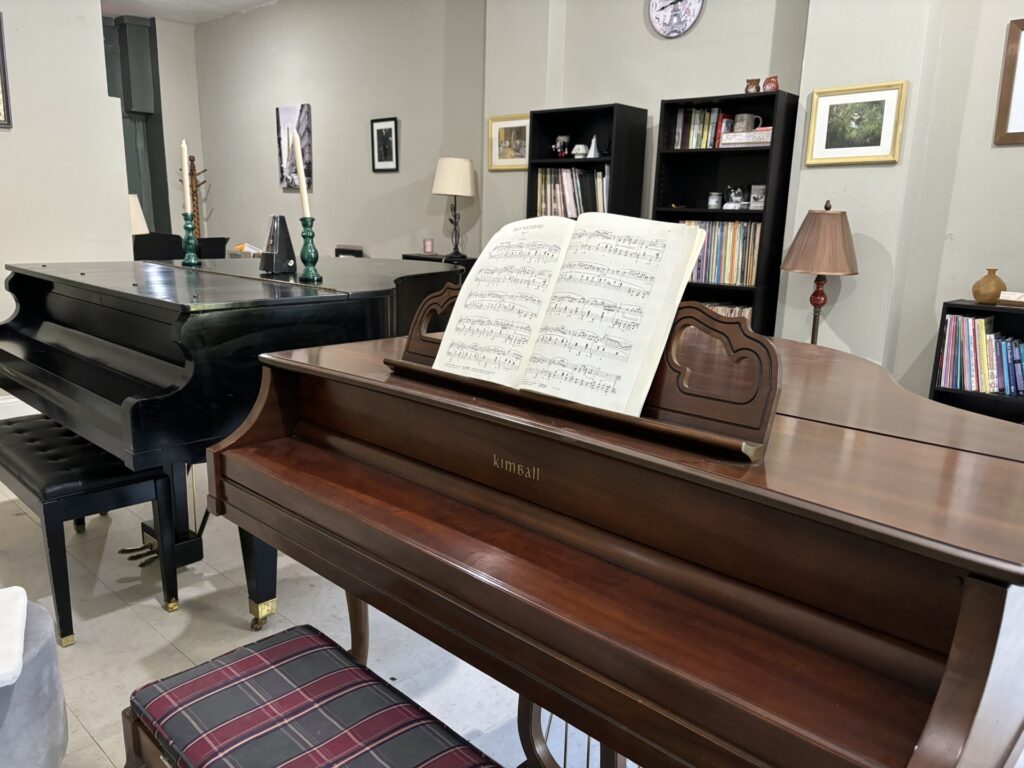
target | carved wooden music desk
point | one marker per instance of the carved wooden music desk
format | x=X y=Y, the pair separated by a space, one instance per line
x=851 y=599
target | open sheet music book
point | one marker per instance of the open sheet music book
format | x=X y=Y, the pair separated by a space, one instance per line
x=577 y=310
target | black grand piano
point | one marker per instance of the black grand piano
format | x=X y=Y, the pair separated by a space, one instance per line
x=155 y=362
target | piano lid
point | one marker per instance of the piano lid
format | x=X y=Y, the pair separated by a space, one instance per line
x=228 y=283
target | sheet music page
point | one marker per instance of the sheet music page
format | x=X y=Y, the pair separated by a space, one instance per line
x=611 y=310
x=497 y=316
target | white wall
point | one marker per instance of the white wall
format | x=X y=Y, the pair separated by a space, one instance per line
x=64 y=195
x=179 y=104
x=352 y=60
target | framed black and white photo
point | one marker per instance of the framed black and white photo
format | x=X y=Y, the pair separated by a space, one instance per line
x=298 y=118
x=856 y=124
x=384 y=144
x=5 y=94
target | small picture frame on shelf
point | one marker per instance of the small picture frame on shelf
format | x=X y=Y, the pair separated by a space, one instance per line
x=384 y=144
x=508 y=140
x=1010 y=110
x=856 y=124
x=757 y=195
x=5 y=94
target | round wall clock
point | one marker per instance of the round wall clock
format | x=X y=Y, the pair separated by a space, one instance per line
x=672 y=18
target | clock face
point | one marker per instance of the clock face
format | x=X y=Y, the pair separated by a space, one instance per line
x=672 y=18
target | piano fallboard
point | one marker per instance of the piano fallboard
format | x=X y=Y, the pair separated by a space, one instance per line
x=837 y=604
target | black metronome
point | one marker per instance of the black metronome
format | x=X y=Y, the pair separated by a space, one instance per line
x=278 y=257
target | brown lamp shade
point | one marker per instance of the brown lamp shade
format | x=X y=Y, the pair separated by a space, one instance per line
x=823 y=246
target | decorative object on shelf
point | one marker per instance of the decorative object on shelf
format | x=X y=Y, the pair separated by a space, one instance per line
x=297 y=118
x=856 y=124
x=771 y=84
x=561 y=146
x=673 y=18
x=193 y=188
x=987 y=288
x=384 y=144
x=454 y=177
x=309 y=254
x=746 y=122
x=734 y=198
x=757 y=195
x=580 y=150
x=189 y=243
x=428 y=245
x=5 y=91
x=1010 y=113
x=1011 y=299
x=278 y=258
x=753 y=85
x=508 y=137
x=760 y=137
x=593 y=152
x=714 y=201
x=822 y=247
x=136 y=216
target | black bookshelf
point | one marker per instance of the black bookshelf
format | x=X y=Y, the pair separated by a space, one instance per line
x=621 y=137
x=684 y=177
x=1008 y=321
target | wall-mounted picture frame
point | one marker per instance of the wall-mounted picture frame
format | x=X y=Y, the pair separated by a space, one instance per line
x=508 y=141
x=384 y=144
x=5 y=93
x=299 y=118
x=1010 y=109
x=857 y=124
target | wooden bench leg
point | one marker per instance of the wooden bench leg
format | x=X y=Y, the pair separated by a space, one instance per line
x=359 y=625
x=260 y=562
x=57 y=561
x=165 y=544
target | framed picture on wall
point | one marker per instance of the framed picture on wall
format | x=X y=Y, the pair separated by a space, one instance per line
x=1010 y=111
x=856 y=124
x=384 y=144
x=296 y=118
x=5 y=95
x=508 y=138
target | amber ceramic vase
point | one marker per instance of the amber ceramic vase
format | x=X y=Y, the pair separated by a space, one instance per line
x=988 y=288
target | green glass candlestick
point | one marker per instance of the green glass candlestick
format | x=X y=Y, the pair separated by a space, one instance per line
x=309 y=254
x=189 y=242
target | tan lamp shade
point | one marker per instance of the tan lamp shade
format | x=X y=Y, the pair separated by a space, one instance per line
x=454 y=176
x=138 y=218
x=823 y=246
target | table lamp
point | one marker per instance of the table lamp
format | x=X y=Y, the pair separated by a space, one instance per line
x=136 y=216
x=454 y=176
x=823 y=246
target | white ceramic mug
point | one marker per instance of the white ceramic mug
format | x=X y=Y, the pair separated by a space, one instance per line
x=747 y=122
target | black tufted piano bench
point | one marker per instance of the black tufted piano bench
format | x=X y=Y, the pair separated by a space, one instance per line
x=291 y=699
x=60 y=476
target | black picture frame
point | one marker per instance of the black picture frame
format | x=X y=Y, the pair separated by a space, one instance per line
x=5 y=91
x=384 y=145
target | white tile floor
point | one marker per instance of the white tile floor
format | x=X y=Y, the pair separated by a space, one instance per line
x=123 y=637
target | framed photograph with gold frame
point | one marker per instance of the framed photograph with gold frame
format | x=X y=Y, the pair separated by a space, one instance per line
x=1010 y=112
x=508 y=141
x=5 y=93
x=856 y=124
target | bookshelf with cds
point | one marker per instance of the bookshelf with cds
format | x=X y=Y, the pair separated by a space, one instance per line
x=740 y=264
x=568 y=186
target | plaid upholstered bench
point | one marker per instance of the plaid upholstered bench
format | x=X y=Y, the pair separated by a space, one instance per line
x=293 y=699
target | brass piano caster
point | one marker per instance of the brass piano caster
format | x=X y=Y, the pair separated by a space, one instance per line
x=257 y=624
x=261 y=612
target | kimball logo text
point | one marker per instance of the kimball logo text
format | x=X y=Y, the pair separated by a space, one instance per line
x=515 y=468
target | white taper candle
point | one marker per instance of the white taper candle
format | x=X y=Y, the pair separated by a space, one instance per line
x=186 y=188
x=300 y=168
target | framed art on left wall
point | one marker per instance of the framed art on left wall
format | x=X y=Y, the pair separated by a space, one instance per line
x=5 y=93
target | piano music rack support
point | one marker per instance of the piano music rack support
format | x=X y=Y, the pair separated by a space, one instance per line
x=734 y=418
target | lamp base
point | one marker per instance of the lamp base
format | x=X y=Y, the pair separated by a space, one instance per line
x=818 y=300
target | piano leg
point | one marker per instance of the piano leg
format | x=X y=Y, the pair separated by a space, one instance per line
x=534 y=739
x=359 y=625
x=164 y=533
x=183 y=547
x=260 y=562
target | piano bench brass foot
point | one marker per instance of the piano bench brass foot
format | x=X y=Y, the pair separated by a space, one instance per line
x=261 y=612
x=65 y=641
x=172 y=606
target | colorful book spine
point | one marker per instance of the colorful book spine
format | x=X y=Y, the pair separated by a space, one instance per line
x=976 y=358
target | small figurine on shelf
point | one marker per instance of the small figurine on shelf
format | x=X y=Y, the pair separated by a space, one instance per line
x=735 y=196
x=753 y=85
x=580 y=151
x=714 y=201
x=561 y=146
x=771 y=83
x=592 y=152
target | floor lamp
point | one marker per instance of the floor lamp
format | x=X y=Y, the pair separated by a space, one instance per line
x=454 y=176
x=822 y=247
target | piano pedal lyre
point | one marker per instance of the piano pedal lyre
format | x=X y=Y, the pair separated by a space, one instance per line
x=146 y=552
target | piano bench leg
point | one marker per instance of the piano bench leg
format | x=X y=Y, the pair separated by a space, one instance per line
x=57 y=563
x=260 y=562
x=79 y=525
x=533 y=736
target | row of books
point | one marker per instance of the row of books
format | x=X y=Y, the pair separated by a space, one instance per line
x=571 y=191
x=729 y=255
x=699 y=128
x=976 y=359
x=730 y=310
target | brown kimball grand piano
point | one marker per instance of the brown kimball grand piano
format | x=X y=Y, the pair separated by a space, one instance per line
x=852 y=598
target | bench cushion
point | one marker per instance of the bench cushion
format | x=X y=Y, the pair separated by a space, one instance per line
x=55 y=462
x=294 y=699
